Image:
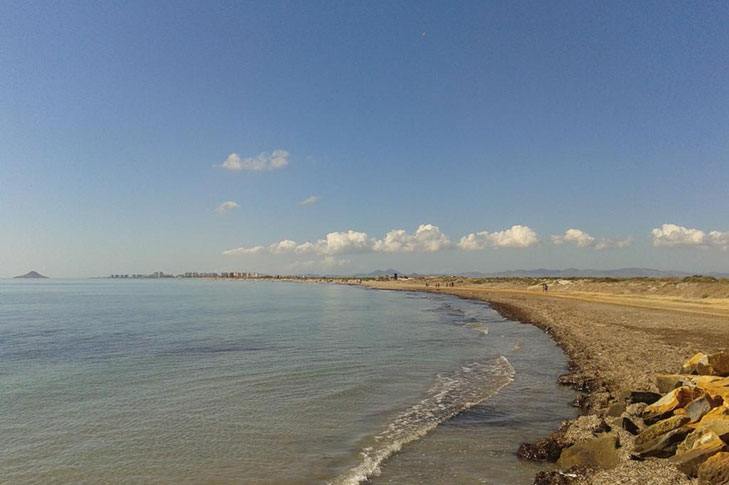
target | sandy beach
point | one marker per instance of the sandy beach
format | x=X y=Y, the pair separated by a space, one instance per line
x=618 y=334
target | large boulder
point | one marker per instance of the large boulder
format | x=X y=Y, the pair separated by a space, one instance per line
x=696 y=439
x=698 y=364
x=714 y=425
x=663 y=446
x=647 y=397
x=716 y=420
x=715 y=470
x=719 y=363
x=598 y=453
x=699 y=407
x=654 y=431
x=714 y=385
x=712 y=365
x=665 y=406
x=668 y=382
x=689 y=462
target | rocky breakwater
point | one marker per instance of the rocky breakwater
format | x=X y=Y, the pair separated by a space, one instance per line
x=677 y=436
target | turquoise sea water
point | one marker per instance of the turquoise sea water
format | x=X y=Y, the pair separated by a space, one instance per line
x=191 y=381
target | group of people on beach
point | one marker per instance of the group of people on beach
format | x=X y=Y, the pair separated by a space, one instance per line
x=450 y=284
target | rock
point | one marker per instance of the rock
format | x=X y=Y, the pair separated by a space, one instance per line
x=547 y=449
x=714 y=423
x=636 y=409
x=668 y=382
x=573 y=476
x=579 y=402
x=716 y=386
x=627 y=398
x=712 y=365
x=713 y=385
x=719 y=364
x=699 y=407
x=678 y=398
x=716 y=420
x=616 y=409
x=690 y=461
x=695 y=440
x=654 y=431
x=629 y=426
x=715 y=470
x=698 y=364
x=577 y=383
x=551 y=478
x=643 y=396
x=598 y=452
x=663 y=446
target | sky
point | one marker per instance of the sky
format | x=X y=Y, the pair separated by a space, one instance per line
x=341 y=137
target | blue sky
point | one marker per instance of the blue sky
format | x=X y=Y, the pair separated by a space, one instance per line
x=609 y=118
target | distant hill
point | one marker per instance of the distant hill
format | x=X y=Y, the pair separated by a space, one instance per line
x=32 y=274
x=544 y=273
x=580 y=273
x=378 y=272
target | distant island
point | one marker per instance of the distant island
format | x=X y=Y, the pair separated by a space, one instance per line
x=32 y=274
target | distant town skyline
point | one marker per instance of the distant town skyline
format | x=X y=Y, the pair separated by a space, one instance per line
x=334 y=138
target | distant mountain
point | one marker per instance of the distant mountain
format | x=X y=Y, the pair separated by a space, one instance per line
x=583 y=273
x=378 y=272
x=32 y=274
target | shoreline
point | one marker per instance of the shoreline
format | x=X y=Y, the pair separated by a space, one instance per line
x=611 y=349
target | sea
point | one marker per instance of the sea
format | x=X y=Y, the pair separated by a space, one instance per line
x=178 y=381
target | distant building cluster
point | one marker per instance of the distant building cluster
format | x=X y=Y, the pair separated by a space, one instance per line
x=160 y=274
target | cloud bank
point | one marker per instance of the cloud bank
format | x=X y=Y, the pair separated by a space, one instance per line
x=265 y=161
x=673 y=235
x=428 y=238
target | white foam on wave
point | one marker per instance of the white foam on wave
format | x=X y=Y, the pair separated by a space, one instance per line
x=478 y=327
x=449 y=395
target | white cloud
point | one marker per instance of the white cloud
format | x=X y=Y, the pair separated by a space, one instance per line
x=239 y=251
x=282 y=247
x=344 y=242
x=515 y=237
x=719 y=239
x=581 y=239
x=264 y=161
x=427 y=238
x=226 y=206
x=575 y=236
x=672 y=235
x=309 y=200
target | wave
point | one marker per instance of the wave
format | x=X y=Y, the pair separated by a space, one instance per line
x=449 y=395
x=476 y=326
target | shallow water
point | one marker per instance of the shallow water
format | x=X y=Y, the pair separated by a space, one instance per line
x=183 y=381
